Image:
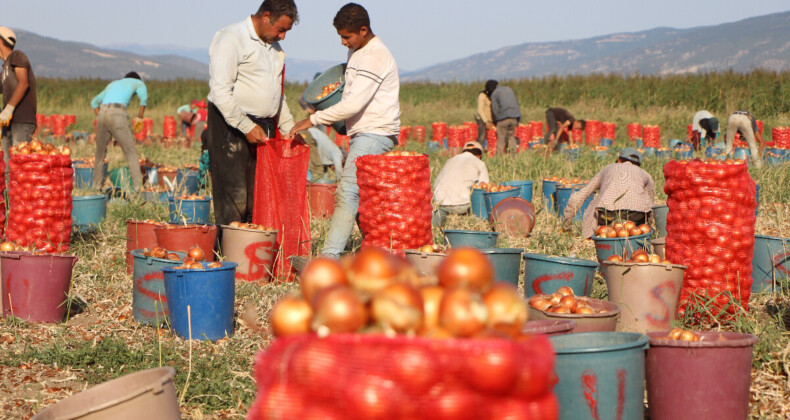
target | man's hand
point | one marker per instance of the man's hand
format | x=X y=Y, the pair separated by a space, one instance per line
x=5 y=116
x=256 y=135
x=300 y=126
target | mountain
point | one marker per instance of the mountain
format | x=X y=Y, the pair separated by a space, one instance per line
x=760 y=42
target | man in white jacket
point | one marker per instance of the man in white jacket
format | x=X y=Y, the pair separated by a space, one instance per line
x=453 y=186
x=370 y=108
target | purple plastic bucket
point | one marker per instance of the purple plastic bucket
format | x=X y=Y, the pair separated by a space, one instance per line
x=35 y=287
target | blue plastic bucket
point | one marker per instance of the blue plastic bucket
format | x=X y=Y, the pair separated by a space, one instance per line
x=561 y=197
x=682 y=154
x=675 y=142
x=473 y=238
x=663 y=154
x=650 y=151
x=332 y=75
x=444 y=144
x=606 y=247
x=525 y=186
x=88 y=211
x=121 y=178
x=548 y=194
x=571 y=154
x=774 y=160
x=601 y=154
x=639 y=143
x=507 y=263
x=547 y=273
x=601 y=375
x=187 y=181
x=209 y=294
x=479 y=204
x=606 y=142
x=493 y=198
x=432 y=146
x=712 y=151
x=195 y=211
x=532 y=144
x=660 y=215
x=83 y=177
x=770 y=262
x=155 y=196
x=149 y=299
x=742 y=153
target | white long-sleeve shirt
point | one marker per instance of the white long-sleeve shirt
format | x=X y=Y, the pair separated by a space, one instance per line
x=246 y=76
x=370 y=97
x=700 y=115
x=453 y=185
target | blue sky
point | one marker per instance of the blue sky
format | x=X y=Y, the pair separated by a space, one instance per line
x=418 y=32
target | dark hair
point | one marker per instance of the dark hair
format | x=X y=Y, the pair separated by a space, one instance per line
x=132 y=75
x=490 y=86
x=582 y=122
x=351 y=17
x=477 y=152
x=6 y=43
x=277 y=8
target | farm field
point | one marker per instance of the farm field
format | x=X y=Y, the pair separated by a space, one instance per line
x=41 y=364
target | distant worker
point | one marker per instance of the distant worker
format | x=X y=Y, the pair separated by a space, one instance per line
x=506 y=114
x=625 y=192
x=743 y=122
x=18 y=86
x=483 y=115
x=557 y=120
x=704 y=128
x=188 y=115
x=453 y=186
x=113 y=122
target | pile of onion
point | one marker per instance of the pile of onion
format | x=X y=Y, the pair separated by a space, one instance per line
x=682 y=335
x=376 y=292
x=639 y=256
x=563 y=301
x=622 y=230
x=250 y=226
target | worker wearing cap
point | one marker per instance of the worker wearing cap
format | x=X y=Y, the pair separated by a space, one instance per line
x=705 y=126
x=453 y=186
x=743 y=122
x=625 y=192
x=18 y=86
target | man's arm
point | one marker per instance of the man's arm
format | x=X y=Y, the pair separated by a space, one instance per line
x=23 y=83
x=142 y=94
x=223 y=70
x=577 y=199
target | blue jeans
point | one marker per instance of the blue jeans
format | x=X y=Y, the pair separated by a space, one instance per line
x=347 y=194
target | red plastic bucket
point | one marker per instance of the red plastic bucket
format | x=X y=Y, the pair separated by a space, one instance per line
x=322 y=200
x=35 y=287
x=706 y=379
x=139 y=235
x=180 y=238
x=549 y=327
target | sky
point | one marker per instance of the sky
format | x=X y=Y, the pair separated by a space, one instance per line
x=419 y=33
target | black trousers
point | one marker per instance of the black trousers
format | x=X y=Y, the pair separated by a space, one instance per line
x=608 y=217
x=232 y=161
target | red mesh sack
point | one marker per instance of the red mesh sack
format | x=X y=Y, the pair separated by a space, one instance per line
x=394 y=201
x=781 y=137
x=576 y=133
x=524 y=134
x=491 y=140
x=39 y=195
x=537 y=129
x=354 y=376
x=634 y=131
x=651 y=136
x=456 y=136
x=710 y=229
x=403 y=135
x=419 y=133
x=438 y=131
x=609 y=129
x=592 y=132
x=281 y=199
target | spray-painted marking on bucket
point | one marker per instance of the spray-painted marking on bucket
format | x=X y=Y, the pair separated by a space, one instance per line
x=780 y=260
x=567 y=276
x=156 y=275
x=257 y=266
x=590 y=389
x=656 y=292
x=603 y=246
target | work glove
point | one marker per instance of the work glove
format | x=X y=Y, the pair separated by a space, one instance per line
x=5 y=116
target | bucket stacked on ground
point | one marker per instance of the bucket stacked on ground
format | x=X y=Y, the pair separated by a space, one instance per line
x=394 y=201
x=343 y=376
x=39 y=192
x=651 y=135
x=710 y=228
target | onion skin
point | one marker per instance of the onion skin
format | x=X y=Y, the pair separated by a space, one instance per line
x=319 y=274
x=431 y=299
x=463 y=312
x=466 y=267
x=291 y=315
x=338 y=309
x=399 y=307
x=507 y=311
x=372 y=269
x=196 y=253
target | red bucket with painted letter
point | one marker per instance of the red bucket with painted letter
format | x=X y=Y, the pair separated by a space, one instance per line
x=253 y=250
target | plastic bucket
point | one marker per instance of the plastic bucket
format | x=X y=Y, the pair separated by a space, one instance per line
x=507 y=263
x=203 y=299
x=774 y=160
x=601 y=375
x=605 y=320
x=663 y=154
x=333 y=75
x=548 y=194
x=426 y=263
x=601 y=154
x=187 y=181
x=493 y=198
x=563 y=195
x=647 y=293
x=706 y=379
x=548 y=327
x=547 y=273
x=148 y=394
x=166 y=178
x=149 y=301
x=156 y=196
x=525 y=187
x=121 y=178
x=713 y=151
x=606 y=142
x=180 y=238
x=660 y=215
x=192 y=211
x=571 y=154
x=650 y=151
x=253 y=250
x=769 y=262
x=479 y=204
x=139 y=235
x=473 y=238
x=658 y=246
x=606 y=247
x=83 y=177
x=35 y=287
x=741 y=153
x=639 y=143
x=321 y=198
x=88 y=211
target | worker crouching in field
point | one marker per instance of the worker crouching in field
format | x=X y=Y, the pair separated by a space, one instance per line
x=743 y=122
x=704 y=129
x=453 y=186
x=557 y=120
x=625 y=192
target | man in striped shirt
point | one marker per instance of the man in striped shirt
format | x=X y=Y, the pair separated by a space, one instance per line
x=370 y=108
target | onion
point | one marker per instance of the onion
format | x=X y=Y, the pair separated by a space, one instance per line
x=654 y=258
x=214 y=264
x=338 y=309
x=158 y=252
x=196 y=253
x=437 y=333
x=569 y=302
x=431 y=300
x=554 y=298
x=291 y=315
x=372 y=269
x=7 y=246
x=675 y=333
x=565 y=291
x=467 y=267
x=539 y=302
x=196 y=266
x=399 y=307
x=689 y=336
x=584 y=310
x=171 y=256
x=463 y=312
x=507 y=311
x=321 y=273
x=558 y=309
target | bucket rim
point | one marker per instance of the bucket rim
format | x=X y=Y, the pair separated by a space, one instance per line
x=174 y=199
x=638 y=340
x=659 y=207
x=12 y=254
x=572 y=187
x=546 y=181
x=517 y=182
x=551 y=325
x=554 y=258
x=89 y=197
x=472 y=232
x=660 y=339
x=137 y=253
x=143 y=222
x=226 y=265
x=174 y=226
x=419 y=253
x=643 y=264
x=626 y=238
x=502 y=192
x=659 y=241
x=501 y=250
x=775 y=238
x=228 y=227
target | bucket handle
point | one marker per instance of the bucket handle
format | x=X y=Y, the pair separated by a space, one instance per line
x=12 y=256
